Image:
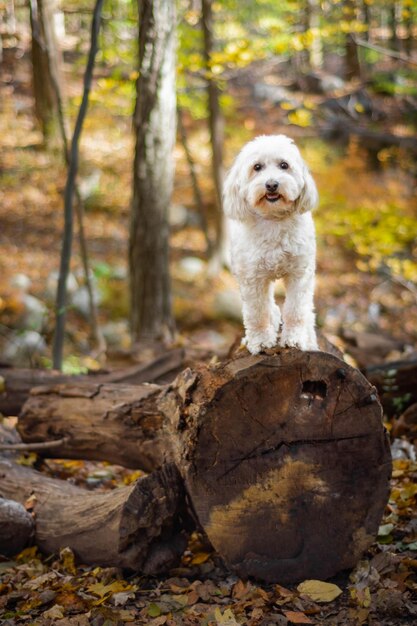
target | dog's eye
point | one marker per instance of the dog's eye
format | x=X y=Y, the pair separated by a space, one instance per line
x=284 y=165
x=257 y=167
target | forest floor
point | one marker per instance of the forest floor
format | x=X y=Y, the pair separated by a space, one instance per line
x=372 y=314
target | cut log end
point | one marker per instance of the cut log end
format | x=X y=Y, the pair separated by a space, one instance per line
x=285 y=459
x=16 y=527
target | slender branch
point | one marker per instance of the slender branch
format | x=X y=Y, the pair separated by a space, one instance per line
x=61 y=299
x=385 y=51
x=198 y=199
x=42 y=445
x=96 y=334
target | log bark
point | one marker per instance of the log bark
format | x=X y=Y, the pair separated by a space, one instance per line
x=137 y=527
x=285 y=461
x=16 y=527
x=117 y=423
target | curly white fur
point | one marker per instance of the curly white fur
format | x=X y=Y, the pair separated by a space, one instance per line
x=268 y=196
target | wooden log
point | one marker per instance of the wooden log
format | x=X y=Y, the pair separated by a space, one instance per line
x=112 y=422
x=15 y=384
x=137 y=527
x=16 y=527
x=396 y=383
x=285 y=461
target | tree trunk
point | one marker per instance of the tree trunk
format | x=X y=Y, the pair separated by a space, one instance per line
x=291 y=442
x=216 y=126
x=117 y=423
x=155 y=123
x=46 y=67
x=137 y=527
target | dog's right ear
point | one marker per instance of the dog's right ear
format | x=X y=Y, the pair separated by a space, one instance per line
x=234 y=203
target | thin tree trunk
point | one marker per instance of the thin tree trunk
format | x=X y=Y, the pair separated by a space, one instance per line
x=155 y=125
x=46 y=67
x=198 y=199
x=216 y=124
x=352 y=65
x=96 y=334
x=61 y=299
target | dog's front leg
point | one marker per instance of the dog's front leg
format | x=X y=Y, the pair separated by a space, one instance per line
x=298 y=314
x=260 y=325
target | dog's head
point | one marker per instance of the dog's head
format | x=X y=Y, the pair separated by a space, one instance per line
x=270 y=179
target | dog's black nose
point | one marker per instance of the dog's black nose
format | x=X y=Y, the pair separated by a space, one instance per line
x=271 y=185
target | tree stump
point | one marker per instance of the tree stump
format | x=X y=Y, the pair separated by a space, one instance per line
x=285 y=461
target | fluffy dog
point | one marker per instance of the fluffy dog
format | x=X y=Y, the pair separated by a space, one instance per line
x=268 y=197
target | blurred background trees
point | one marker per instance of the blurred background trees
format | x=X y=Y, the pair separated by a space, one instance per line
x=339 y=76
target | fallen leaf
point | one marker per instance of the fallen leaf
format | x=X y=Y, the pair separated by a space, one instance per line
x=55 y=612
x=154 y=610
x=67 y=560
x=319 y=591
x=297 y=617
x=227 y=619
x=200 y=557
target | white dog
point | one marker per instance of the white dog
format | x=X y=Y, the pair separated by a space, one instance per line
x=268 y=196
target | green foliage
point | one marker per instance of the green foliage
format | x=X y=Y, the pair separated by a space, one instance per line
x=382 y=231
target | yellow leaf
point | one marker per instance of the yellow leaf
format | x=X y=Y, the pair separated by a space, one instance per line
x=66 y=557
x=200 y=557
x=227 y=619
x=319 y=591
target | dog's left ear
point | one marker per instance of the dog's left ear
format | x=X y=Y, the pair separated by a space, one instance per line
x=309 y=196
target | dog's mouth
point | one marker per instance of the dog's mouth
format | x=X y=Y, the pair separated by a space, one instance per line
x=273 y=197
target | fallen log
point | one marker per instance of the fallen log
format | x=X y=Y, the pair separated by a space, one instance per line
x=16 y=383
x=396 y=382
x=283 y=456
x=113 y=422
x=136 y=527
x=285 y=461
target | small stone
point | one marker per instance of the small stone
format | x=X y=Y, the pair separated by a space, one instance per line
x=23 y=349
x=190 y=267
x=228 y=304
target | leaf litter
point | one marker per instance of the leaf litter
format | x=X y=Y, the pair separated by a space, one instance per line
x=380 y=590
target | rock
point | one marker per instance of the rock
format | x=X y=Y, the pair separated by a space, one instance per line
x=80 y=300
x=274 y=94
x=117 y=334
x=190 y=267
x=52 y=284
x=21 y=281
x=23 y=349
x=34 y=315
x=228 y=304
x=177 y=215
x=89 y=185
x=320 y=83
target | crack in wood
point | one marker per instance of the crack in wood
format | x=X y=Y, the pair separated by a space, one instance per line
x=288 y=444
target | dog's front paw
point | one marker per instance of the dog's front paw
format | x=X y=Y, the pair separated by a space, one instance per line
x=298 y=338
x=255 y=342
